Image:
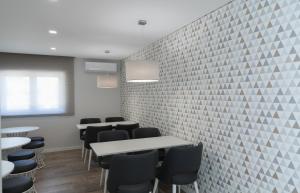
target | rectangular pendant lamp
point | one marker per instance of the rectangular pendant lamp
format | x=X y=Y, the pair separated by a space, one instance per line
x=141 y=71
x=107 y=81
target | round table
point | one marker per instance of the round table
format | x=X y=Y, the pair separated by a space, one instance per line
x=9 y=144
x=18 y=131
x=6 y=168
x=13 y=142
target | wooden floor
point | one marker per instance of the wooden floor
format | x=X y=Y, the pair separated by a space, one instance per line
x=65 y=173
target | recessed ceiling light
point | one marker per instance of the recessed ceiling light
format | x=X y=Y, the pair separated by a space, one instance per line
x=53 y=48
x=107 y=51
x=51 y=31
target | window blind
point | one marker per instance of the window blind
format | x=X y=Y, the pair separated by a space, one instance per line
x=36 y=85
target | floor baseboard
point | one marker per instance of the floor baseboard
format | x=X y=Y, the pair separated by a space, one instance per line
x=56 y=149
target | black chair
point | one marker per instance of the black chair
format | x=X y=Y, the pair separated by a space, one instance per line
x=17 y=184
x=37 y=138
x=104 y=162
x=91 y=137
x=37 y=147
x=129 y=128
x=24 y=168
x=114 y=119
x=146 y=132
x=82 y=131
x=21 y=155
x=180 y=167
x=132 y=173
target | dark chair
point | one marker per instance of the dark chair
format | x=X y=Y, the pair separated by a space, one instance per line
x=104 y=162
x=17 y=184
x=146 y=132
x=132 y=173
x=37 y=138
x=129 y=128
x=91 y=137
x=37 y=147
x=180 y=167
x=82 y=131
x=114 y=119
x=20 y=155
x=25 y=167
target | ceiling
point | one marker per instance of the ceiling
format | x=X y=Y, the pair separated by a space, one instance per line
x=86 y=28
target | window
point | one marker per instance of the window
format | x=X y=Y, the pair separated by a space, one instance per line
x=32 y=92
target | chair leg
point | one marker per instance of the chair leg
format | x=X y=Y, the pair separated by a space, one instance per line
x=173 y=188
x=85 y=155
x=155 y=185
x=90 y=158
x=101 y=176
x=82 y=149
x=196 y=187
x=179 y=189
x=105 y=181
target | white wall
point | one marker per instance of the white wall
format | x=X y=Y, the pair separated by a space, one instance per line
x=60 y=131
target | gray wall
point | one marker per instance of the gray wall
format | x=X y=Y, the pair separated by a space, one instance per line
x=60 y=131
x=231 y=80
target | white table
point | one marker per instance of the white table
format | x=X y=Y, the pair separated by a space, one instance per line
x=6 y=168
x=135 y=145
x=84 y=126
x=18 y=131
x=13 y=142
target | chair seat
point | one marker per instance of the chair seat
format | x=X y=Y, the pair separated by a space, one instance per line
x=37 y=138
x=20 y=155
x=34 y=145
x=16 y=184
x=137 y=188
x=24 y=166
x=104 y=162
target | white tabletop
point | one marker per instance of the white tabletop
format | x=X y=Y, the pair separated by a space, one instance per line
x=134 y=145
x=84 y=126
x=11 y=130
x=13 y=142
x=6 y=168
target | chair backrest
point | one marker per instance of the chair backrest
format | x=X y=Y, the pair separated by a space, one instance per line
x=146 y=132
x=132 y=171
x=129 y=128
x=90 y=120
x=114 y=119
x=92 y=133
x=114 y=135
x=182 y=161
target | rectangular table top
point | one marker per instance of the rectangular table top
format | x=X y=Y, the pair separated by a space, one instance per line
x=135 y=145
x=84 y=126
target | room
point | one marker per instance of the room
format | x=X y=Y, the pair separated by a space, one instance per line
x=140 y=96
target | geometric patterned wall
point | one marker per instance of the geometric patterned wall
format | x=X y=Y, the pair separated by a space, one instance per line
x=231 y=79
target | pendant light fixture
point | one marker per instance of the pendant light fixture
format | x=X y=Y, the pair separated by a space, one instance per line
x=141 y=70
x=107 y=81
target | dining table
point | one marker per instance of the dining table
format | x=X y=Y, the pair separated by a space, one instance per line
x=18 y=131
x=11 y=143
x=6 y=168
x=136 y=145
x=84 y=126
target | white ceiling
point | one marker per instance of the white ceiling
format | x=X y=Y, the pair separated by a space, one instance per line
x=88 y=27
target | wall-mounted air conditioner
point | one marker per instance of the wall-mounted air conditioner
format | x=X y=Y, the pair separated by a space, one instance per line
x=100 y=67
